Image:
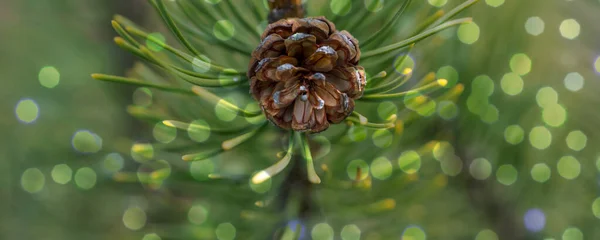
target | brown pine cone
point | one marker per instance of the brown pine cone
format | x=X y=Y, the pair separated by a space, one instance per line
x=281 y=9
x=305 y=74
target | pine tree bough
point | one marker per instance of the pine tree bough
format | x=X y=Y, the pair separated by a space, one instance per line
x=305 y=74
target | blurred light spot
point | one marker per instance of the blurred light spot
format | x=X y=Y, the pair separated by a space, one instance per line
x=448 y=73
x=223 y=113
x=253 y=107
x=353 y=167
x=572 y=233
x=201 y=169
x=386 y=109
x=569 y=28
x=322 y=231
x=381 y=168
x=404 y=62
x=382 y=138
x=507 y=174
x=480 y=169
x=494 y=3
x=486 y=234
x=155 y=42
x=534 y=26
x=535 y=220
x=574 y=81
x=197 y=214
x=262 y=187
x=228 y=75
x=340 y=7
x=324 y=147
x=451 y=166
x=151 y=236
x=442 y=149
x=468 y=33
x=598 y=163
x=437 y=3
x=27 y=111
x=482 y=86
x=350 y=232
x=49 y=77
x=33 y=180
x=514 y=134
x=223 y=30
x=477 y=104
x=409 y=162
x=597 y=64
x=357 y=133
x=596 y=208
x=113 y=162
x=142 y=152
x=491 y=114
x=212 y=1
x=291 y=228
x=201 y=64
x=520 y=64
x=199 y=130
x=374 y=5
x=85 y=141
x=554 y=115
x=546 y=96
x=61 y=174
x=163 y=133
x=142 y=97
x=447 y=110
x=511 y=84
x=134 y=218
x=85 y=178
x=413 y=233
x=540 y=137
x=576 y=140
x=568 y=167
x=540 y=172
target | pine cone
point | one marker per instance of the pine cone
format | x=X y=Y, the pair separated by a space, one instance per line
x=305 y=74
x=281 y=9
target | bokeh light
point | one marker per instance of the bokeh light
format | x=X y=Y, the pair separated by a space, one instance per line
x=572 y=233
x=223 y=30
x=404 y=62
x=540 y=137
x=200 y=170
x=468 y=33
x=33 y=180
x=225 y=231
x=350 y=232
x=156 y=41
x=27 y=111
x=353 y=168
x=85 y=141
x=535 y=220
x=163 y=133
x=262 y=187
x=340 y=7
x=386 y=109
x=546 y=96
x=113 y=162
x=198 y=214
x=134 y=218
x=506 y=174
x=85 y=178
x=199 y=130
x=381 y=168
x=534 y=26
x=49 y=77
x=520 y=64
x=201 y=64
x=447 y=110
x=540 y=172
x=574 y=81
x=151 y=236
x=511 y=84
x=576 y=140
x=514 y=134
x=597 y=64
x=568 y=167
x=480 y=168
x=451 y=166
x=409 y=162
x=374 y=5
x=142 y=152
x=437 y=3
x=382 y=138
x=322 y=231
x=442 y=150
x=494 y=3
x=482 y=86
x=596 y=207
x=61 y=173
x=414 y=233
x=449 y=73
x=486 y=234
x=554 y=115
x=570 y=28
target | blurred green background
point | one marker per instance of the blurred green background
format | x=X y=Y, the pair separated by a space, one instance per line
x=515 y=158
